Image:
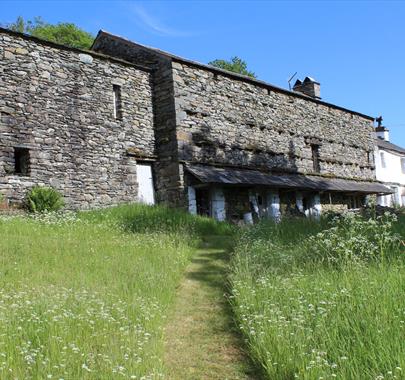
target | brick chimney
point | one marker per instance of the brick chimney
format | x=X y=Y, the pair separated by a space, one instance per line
x=382 y=132
x=309 y=87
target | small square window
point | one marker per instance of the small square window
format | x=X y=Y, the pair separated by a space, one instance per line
x=21 y=161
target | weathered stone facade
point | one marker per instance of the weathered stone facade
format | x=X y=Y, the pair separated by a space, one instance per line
x=57 y=103
x=60 y=106
x=228 y=120
x=225 y=121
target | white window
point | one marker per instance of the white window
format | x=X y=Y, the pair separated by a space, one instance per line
x=382 y=158
x=403 y=165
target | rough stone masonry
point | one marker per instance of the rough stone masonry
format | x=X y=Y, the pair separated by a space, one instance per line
x=56 y=104
x=225 y=120
x=86 y=119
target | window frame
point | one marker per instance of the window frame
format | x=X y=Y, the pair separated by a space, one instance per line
x=383 y=160
x=117 y=102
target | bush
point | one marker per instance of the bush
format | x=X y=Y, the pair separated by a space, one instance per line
x=43 y=199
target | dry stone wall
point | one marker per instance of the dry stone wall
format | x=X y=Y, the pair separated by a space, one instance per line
x=58 y=104
x=221 y=120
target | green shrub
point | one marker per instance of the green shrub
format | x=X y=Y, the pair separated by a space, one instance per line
x=1 y=197
x=43 y=199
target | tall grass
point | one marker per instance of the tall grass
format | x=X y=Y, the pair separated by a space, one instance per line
x=85 y=297
x=323 y=301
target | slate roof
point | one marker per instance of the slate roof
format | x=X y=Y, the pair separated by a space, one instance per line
x=389 y=146
x=226 y=73
x=231 y=176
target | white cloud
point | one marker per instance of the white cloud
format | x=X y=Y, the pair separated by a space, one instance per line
x=153 y=24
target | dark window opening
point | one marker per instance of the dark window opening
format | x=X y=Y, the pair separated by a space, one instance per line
x=117 y=102
x=21 y=161
x=315 y=158
x=203 y=202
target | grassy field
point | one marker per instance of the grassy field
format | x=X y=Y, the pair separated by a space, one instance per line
x=323 y=300
x=85 y=296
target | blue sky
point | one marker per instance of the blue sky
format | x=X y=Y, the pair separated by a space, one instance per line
x=355 y=49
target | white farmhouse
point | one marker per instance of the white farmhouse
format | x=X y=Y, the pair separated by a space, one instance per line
x=390 y=168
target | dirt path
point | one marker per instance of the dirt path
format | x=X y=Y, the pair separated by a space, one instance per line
x=200 y=342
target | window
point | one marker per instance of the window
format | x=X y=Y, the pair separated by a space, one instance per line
x=117 y=102
x=403 y=165
x=382 y=158
x=369 y=158
x=21 y=161
x=395 y=196
x=315 y=158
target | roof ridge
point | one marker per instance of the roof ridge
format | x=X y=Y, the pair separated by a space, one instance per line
x=233 y=75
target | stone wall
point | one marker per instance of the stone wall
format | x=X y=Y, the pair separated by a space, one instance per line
x=168 y=172
x=222 y=120
x=58 y=103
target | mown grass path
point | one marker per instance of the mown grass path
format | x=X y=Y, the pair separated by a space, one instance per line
x=200 y=338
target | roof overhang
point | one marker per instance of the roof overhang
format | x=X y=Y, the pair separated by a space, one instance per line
x=244 y=177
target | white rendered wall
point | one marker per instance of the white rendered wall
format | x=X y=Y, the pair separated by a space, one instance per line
x=218 y=204
x=273 y=205
x=392 y=175
x=192 y=202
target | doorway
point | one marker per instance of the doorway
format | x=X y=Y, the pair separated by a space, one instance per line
x=146 y=192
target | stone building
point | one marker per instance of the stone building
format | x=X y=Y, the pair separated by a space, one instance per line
x=69 y=119
x=229 y=145
x=96 y=124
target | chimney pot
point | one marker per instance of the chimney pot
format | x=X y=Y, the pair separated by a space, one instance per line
x=309 y=86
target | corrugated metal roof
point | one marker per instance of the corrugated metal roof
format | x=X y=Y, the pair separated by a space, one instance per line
x=389 y=146
x=230 y=176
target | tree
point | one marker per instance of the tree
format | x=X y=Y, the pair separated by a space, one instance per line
x=236 y=65
x=63 y=33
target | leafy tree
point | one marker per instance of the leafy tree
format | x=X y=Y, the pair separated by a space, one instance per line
x=236 y=65
x=62 y=33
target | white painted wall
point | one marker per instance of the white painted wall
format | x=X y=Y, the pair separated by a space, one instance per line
x=192 y=201
x=218 y=204
x=273 y=205
x=392 y=175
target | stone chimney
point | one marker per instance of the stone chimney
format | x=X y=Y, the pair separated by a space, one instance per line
x=309 y=87
x=382 y=132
